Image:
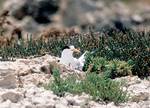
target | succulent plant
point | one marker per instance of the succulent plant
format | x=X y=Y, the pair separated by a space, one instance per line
x=110 y=68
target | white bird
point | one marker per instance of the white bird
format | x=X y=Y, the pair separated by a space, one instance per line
x=68 y=59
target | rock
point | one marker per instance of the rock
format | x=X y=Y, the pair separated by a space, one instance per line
x=77 y=107
x=81 y=100
x=7 y=78
x=140 y=97
x=137 y=19
x=27 y=104
x=38 y=100
x=135 y=105
x=144 y=104
x=45 y=106
x=12 y=96
x=49 y=95
x=70 y=99
x=93 y=104
x=60 y=106
x=6 y=104
x=138 y=88
x=63 y=101
x=111 y=105
x=15 y=105
x=77 y=100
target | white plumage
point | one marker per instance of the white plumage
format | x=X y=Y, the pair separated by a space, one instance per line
x=68 y=59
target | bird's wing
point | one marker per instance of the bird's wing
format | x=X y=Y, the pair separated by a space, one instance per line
x=81 y=59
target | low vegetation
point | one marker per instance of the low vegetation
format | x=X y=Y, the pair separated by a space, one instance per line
x=131 y=46
x=113 y=68
x=99 y=87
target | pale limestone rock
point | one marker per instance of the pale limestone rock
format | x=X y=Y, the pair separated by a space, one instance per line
x=60 y=106
x=76 y=107
x=15 y=105
x=137 y=18
x=45 y=106
x=71 y=100
x=26 y=104
x=135 y=105
x=37 y=97
x=38 y=100
x=111 y=105
x=63 y=101
x=12 y=96
x=6 y=104
x=7 y=78
x=93 y=104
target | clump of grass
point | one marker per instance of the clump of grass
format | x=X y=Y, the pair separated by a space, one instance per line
x=98 y=87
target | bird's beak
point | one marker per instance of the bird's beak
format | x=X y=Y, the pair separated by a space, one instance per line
x=76 y=50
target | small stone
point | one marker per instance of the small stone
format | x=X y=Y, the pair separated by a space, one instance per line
x=93 y=104
x=60 y=106
x=45 y=106
x=15 y=105
x=70 y=100
x=140 y=97
x=38 y=100
x=137 y=19
x=111 y=105
x=63 y=101
x=27 y=104
x=135 y=105
x=12 y=96
x=76 y=107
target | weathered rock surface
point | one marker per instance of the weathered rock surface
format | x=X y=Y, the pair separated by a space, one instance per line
x=12 y=96
x=33 y=95
x=7 y=78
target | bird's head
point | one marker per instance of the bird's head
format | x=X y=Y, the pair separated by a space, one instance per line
x=72 y=49
x=76 y=50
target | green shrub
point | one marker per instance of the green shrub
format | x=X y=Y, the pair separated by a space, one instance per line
x=104 y=89
x=109 y=68
x=58 y=85
x=98 y=87
x=132 y=46
x=121 y=68
x=97 y=62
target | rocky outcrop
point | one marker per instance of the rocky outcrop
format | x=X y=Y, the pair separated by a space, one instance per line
x=33 y=95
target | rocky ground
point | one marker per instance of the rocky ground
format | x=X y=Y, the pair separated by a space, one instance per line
x=21 y=87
